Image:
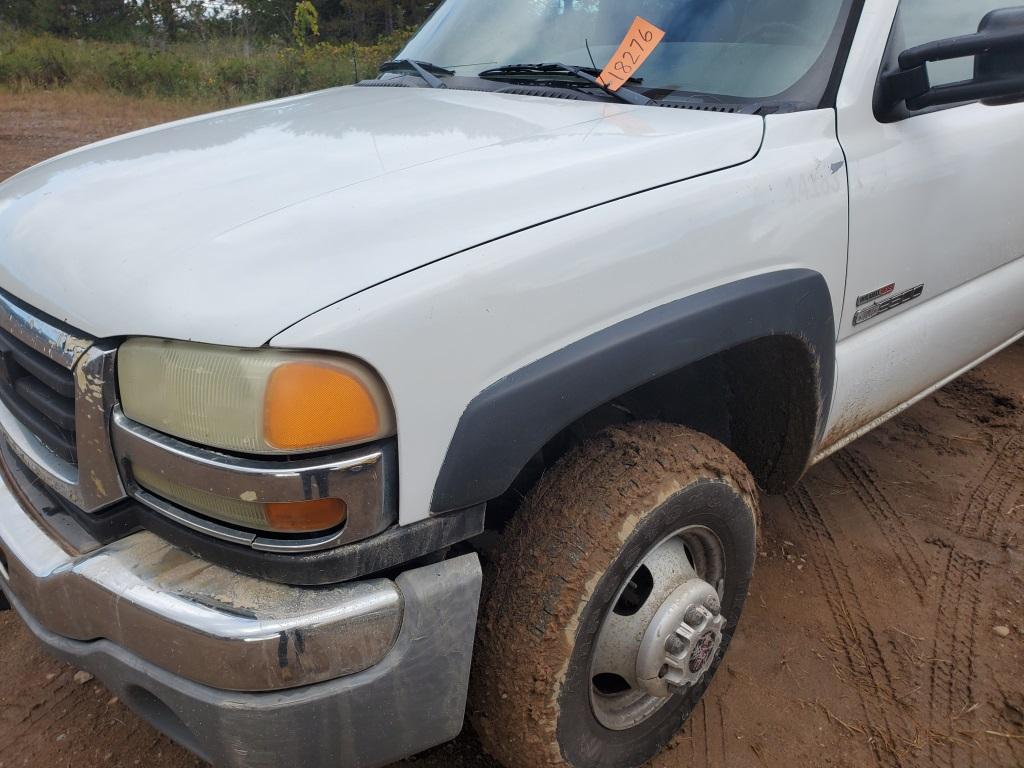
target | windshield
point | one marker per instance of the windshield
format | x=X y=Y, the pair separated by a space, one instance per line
x=739 y=49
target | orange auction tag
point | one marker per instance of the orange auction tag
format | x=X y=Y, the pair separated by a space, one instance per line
x=642 y=38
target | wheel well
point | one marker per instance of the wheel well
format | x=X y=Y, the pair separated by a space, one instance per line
x=760 y=398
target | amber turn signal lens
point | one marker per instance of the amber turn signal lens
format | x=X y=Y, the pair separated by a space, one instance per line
x=310 y=405
x=305 y=516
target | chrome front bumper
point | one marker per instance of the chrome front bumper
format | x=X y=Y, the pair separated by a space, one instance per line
x=202 y=622
x=247 y=673
x=412 y=700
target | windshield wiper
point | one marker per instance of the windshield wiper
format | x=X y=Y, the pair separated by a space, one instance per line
x=424 y=69
x=625 y=94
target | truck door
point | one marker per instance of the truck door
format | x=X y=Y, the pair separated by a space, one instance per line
x=936 y=273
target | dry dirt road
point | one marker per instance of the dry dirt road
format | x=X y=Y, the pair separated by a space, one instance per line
x=869 y=637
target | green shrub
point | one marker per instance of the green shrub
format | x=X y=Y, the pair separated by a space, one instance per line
x=39 y=63
x=228 y=71
x=144 y=72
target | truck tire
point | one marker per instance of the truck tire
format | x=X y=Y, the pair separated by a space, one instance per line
x=618 y=588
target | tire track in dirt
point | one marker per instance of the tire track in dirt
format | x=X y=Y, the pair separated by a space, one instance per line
x=864 y=480
x=953 y=662
x=711 y=728
x=957 y=683
x=979 y=515
x=691 y=743
x=1012 y=749
x=703 y=742
x=859 y=644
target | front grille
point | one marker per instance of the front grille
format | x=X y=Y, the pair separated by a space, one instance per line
x=45 y=417
x=40 y=394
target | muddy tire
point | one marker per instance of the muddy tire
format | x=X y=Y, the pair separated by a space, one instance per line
x=565 y=596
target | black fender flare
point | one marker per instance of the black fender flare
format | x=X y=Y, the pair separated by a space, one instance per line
x=513 y=418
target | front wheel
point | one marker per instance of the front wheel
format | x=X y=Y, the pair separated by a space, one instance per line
x=618 y=587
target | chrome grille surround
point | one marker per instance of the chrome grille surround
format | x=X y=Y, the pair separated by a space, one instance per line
x=62 y=345
x=95 y=482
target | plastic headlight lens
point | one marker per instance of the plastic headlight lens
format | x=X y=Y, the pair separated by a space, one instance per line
x=262 y=401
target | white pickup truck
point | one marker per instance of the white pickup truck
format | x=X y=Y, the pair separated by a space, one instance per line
x=536 y=310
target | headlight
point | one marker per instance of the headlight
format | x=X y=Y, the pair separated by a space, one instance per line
x=263 y=401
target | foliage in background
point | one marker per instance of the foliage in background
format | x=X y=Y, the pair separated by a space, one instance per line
x=224 y=71
x=306 y=23
x=169 y=21
x=228 y=51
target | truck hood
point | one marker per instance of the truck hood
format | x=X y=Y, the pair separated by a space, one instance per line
x=229 y=227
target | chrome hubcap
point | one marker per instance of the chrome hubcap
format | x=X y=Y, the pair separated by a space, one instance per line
x=664 y=629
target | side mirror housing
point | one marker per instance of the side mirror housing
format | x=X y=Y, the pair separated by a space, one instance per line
x=1004 y=65
x=998 y=51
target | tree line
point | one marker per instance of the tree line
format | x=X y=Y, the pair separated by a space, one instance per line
x=173 y=20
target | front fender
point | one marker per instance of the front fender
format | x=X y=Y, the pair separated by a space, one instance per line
x=442 y=335
x=507 y=423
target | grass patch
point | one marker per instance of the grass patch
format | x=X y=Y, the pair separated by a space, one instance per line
x=221 y=72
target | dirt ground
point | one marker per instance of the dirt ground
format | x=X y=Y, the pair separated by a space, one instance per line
x=885 y=624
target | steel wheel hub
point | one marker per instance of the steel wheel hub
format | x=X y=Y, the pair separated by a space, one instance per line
x=664 y=629
x=681 y=642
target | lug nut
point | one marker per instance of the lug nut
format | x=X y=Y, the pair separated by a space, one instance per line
x=675 y=645
x=713 y=605
x=693 y=616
